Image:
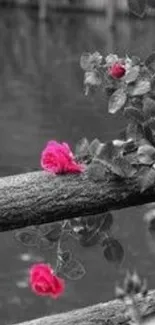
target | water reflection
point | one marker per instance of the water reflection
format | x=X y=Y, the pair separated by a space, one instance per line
x=41 y=98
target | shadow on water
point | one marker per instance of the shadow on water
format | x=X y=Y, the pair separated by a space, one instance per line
x=41 y=98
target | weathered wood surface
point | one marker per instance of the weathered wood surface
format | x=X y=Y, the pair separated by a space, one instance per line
x=39 y=197
x=110 y=313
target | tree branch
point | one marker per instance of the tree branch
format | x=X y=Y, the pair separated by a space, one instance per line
x=39 y=197
x=111 y=313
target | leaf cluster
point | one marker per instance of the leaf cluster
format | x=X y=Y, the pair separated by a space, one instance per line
x=89 y=231
x=134 y=95
x=131 y=286
x=96 y=229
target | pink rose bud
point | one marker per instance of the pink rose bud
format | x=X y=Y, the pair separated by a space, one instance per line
x=44 y=282
x=59 y=159
x=117 y=70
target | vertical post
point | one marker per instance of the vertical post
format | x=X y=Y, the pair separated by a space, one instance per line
x=42 y=9
x=111 y=12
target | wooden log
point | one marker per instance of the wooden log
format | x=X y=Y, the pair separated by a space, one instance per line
x=39 y=197
x=110 y=313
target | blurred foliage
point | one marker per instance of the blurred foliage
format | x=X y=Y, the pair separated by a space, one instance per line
x=88 y=231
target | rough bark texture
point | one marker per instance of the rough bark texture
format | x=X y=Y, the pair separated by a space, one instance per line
x=111 y=313
x=38 y=197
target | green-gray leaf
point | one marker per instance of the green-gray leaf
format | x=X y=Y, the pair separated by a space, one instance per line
x=153 y=84
x=85 y=61
x=149 y=107
x=134 y=114
x=134 y=131
x=147 y=180
x=74 y=270
x=129 y=146
x=123 y=168
x=95 y=147
x=113 y=250
x=90 y=61
x=132 y=75
x=97 y=170
x=135 y=60
x=146 y=154
x=82 y=148
x=27 y=237
x=106 y=222
x=65 y=257
x=150 y=61
x=141 y=87
x=92 y=78
x=109 y=150
x=149 y=218
x=47 y=227
x=89 y=238
x=148 y=133
x=117 y=101
x=151 y=123
x=44 y=243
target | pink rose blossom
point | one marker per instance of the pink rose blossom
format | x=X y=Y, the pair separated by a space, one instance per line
x=59 y=159
x=116 y=70
x=44 y=282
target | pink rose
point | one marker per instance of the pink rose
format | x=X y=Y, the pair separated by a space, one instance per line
x=116 y=70
x=59 y=159
x=44 y=282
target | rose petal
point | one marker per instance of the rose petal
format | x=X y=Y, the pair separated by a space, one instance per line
x=58 y=158
x=44 y=282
